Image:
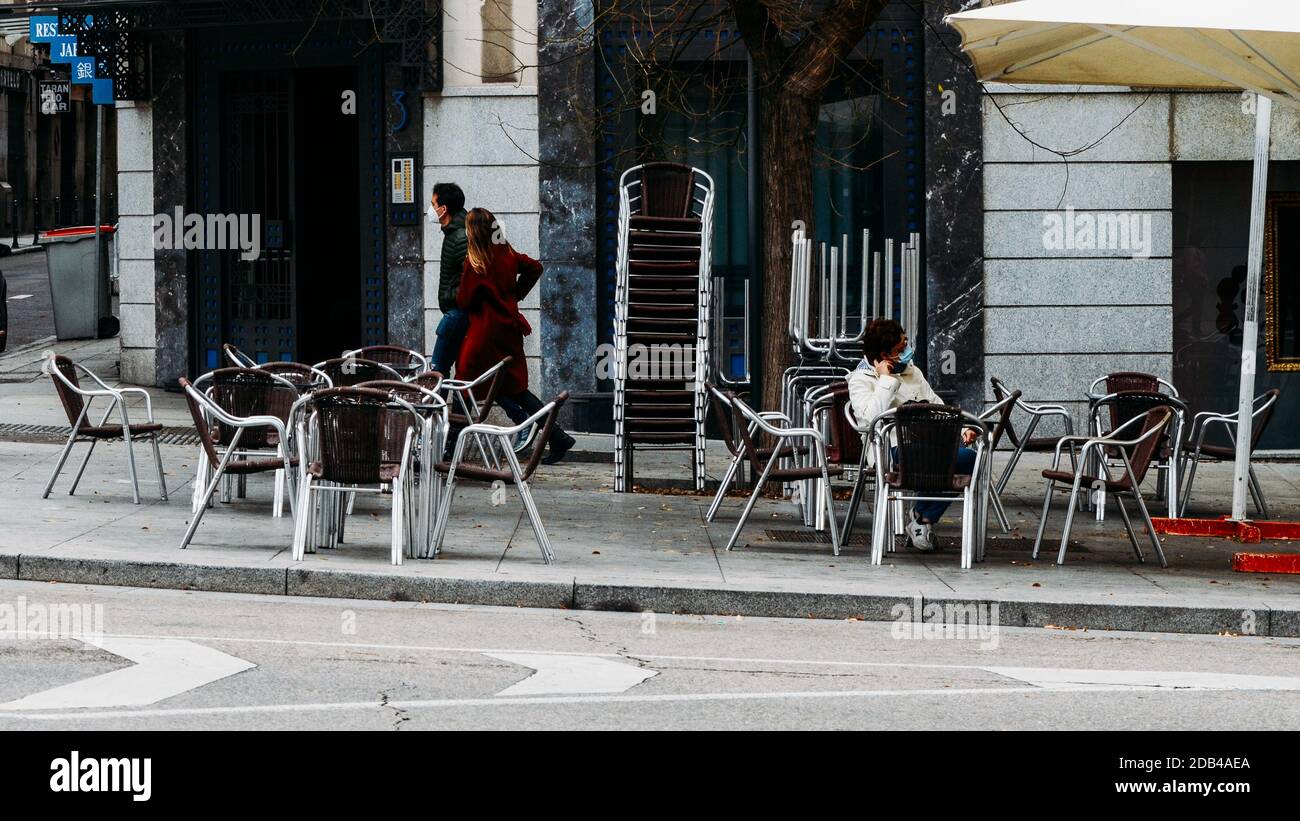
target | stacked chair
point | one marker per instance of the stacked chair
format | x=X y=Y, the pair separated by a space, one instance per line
x=662 y=302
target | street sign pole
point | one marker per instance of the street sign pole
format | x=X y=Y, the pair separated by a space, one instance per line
x=1250 y=328
x=99 y=187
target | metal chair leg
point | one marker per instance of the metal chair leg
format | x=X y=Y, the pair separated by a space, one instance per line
x=1257 y=492
x=1151 y=528
x=1042 y=518
x=76 y=480
x=217 y=476
x=727 y=479
x=157 y=461
x=130 y=456
x=1128 y=526
x=753 y=497
x=1069 y=521
x=855 y=499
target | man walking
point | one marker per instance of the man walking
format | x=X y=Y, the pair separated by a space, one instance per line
x=447 y=209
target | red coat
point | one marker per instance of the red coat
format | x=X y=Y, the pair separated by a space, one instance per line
x=496 y=328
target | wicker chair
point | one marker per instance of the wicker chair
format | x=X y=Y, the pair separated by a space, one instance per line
x=1136 y=455
x=724 y=416
x=1127 y=405
x=1026 y=442
x=347 y=371
x=76 y=404
x=304 y=377
x=999 y=415
x=470 y=402
x=923 y=460
x=429 y=379
x=514 y=473
x=238 y=358
x=1263 y=411
x=260 y=428
x=403 y=360
x=433 y=439
x=354 y=440
x=243 y=393
x=783 y=436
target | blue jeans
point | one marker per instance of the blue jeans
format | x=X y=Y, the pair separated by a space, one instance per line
x=933 y=511
x=451 y=333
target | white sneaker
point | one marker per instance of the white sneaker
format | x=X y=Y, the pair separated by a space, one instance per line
x=920 y=534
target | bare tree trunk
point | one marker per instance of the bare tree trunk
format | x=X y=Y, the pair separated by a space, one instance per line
x=789 y=129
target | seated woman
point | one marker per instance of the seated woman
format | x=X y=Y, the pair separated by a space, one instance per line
x=885 y=379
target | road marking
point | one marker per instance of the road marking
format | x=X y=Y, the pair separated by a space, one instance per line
x=665 y=698
x=17 y=297
x=1054 y=678
x=563 y=674
x=163 y=668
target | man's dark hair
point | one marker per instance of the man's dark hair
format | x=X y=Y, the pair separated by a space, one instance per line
x=450 y=196
x=882 y=336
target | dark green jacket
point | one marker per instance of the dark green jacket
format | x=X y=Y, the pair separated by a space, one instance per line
x=454 y=247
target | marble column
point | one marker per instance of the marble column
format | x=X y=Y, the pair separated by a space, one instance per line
x=171 y=280
x=954 y=191
x=567 y=183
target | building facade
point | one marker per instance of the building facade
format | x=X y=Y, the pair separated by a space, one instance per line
x=1066 y=232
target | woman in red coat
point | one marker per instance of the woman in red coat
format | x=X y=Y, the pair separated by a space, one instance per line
x=495 y=278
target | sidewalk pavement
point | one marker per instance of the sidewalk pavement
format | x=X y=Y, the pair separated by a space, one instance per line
x=630 y=552
x=26 y=244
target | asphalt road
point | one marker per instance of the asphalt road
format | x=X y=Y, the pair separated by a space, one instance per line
x=322 y=663
x=30 y=315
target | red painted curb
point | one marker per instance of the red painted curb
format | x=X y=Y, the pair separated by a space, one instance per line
x=1266 y=562
x=1244 y=532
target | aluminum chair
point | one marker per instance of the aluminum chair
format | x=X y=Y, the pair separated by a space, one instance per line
x=784 y=437
x=433 y=439
x=1260 y=416
x=916 y=450
x=354 y=440
x=243 y=393
x=999 y=415
x=237 y=357
x=1026 y=442
x=347 y=371
x=403 y=360
x=1125 y=406
x=514 y=473
x=724 y=416
x=1136 y=454
x=304 y=377
x=76 y=404
x=202 y=407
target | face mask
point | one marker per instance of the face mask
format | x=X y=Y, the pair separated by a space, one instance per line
x=904 y=359
x=432 y=213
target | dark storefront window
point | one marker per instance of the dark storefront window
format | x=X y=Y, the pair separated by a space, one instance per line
x=1282 y=282
x=1211 y=228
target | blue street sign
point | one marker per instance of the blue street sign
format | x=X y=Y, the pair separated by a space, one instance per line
x=101 y=92
x=63 y=49
x=43 y=29
x=83 y=70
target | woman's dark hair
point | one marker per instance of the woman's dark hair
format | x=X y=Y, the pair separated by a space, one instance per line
x=450 y=196
x=882 y=336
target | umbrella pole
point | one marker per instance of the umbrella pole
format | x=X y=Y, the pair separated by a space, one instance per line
x=1250 y=329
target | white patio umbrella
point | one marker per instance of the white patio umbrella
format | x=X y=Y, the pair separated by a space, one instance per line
x=1252 y=45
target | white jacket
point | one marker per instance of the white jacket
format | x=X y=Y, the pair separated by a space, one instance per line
x=871 y=394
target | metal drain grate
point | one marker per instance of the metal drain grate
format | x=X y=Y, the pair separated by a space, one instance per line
x=12 y=432
x=859 y=539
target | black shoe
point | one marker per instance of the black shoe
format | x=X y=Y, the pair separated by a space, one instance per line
x=558 y=449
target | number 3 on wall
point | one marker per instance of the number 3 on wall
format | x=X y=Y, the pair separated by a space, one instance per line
x=399 y=98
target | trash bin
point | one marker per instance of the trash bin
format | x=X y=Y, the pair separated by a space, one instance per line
x=83 y=307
